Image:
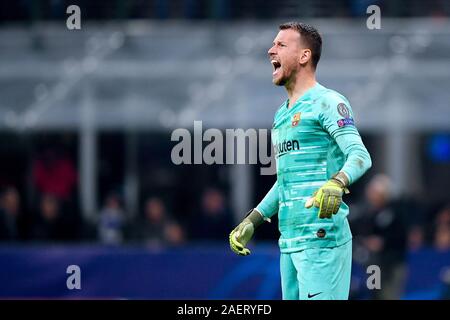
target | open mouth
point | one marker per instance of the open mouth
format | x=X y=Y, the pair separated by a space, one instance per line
x=276 y=66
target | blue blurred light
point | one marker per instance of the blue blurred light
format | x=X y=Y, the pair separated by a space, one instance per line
x=439 y=147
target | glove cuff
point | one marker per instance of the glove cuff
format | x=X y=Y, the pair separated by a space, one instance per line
x=341 y=177
x=342 y=180
x=255 y=217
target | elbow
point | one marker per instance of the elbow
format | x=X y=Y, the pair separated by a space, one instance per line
x=367 y=162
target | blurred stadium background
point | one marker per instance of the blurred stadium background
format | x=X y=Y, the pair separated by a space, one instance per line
x=86 y=118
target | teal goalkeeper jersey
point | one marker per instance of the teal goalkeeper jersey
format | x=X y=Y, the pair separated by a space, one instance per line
x=313 y=139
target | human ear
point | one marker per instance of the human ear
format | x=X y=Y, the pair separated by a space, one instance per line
x=305 y=56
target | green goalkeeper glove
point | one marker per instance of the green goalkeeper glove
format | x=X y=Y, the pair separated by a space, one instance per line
x=329 y=197
x=243 y=233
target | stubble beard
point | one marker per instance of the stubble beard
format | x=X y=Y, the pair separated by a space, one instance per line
x=285 y=79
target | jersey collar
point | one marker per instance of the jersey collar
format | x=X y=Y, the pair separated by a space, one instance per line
x=307 y=95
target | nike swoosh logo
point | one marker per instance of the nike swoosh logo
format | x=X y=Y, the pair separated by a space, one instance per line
x=313 y=295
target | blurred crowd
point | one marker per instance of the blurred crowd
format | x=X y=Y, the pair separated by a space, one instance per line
x=157 y=225
x=218 y=9
x=54 y=215
x=55 y=221
x=385 y=227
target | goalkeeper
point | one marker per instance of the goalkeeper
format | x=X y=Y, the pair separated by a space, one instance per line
x=319 y=153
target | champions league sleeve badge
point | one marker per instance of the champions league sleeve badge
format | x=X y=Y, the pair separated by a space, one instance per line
x=344 y=112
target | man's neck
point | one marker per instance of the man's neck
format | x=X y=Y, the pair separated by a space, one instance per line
x=299 y=86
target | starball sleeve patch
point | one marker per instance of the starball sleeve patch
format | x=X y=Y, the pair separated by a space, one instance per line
x=344 y=111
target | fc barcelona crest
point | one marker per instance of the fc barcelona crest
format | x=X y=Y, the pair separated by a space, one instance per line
x=296 y=119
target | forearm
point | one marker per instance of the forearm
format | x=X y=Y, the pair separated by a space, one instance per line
x=268 y=207
x=358 y=160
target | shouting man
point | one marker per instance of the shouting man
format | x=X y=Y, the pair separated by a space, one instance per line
x=319 y=153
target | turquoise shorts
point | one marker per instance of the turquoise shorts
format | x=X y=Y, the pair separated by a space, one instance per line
x=317 y=273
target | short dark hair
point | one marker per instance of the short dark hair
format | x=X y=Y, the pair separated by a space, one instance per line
x=309 y=35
